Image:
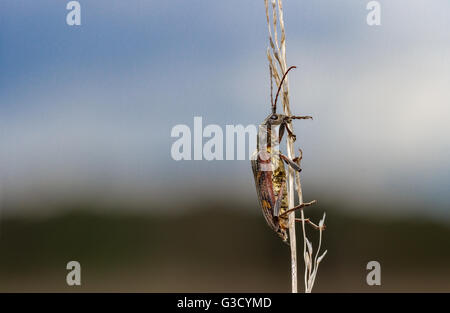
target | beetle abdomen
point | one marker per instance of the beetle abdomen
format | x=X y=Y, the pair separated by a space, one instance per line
x=270 y=178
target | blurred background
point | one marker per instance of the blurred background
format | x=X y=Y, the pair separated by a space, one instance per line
x=86 y=173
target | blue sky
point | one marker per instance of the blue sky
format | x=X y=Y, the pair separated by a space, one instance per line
x=94 y=105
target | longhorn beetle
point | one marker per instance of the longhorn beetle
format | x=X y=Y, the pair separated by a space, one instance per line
x=269 y=171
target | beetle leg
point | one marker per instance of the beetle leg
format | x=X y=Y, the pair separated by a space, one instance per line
x=307 y=220
x=277 y=206
x=281 y=132
x=301 y=117
x=298 y=159
x=290 y=132
x=291 y=163
x=288 y=119
x=298 y=207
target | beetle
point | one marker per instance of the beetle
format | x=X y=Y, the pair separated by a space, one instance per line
x=269 y=170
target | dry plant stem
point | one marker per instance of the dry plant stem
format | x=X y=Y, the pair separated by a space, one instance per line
x=292 y=235
x=290 y=148
x=311 y=265
x=280 y=56
x=302 y=216
x=276 y=56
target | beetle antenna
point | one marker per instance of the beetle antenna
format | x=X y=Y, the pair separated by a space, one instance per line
x=271 y=90
x=274 y=107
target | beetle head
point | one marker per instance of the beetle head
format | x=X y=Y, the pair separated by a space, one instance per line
x=277 y=119
x=274 y=119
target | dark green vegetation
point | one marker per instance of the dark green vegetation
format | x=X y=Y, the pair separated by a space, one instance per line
x=214 y=249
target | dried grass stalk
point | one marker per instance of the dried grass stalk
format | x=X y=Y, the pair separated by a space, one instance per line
x=276 y=55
